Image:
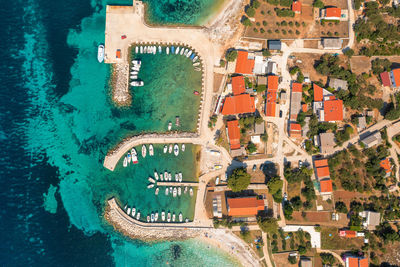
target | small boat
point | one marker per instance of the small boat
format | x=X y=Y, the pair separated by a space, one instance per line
x=195 y=92
x=133 y=77
x=125 y=207
x=179 y=191
x=125 y=163
x=189 y=53
x=196 y=64
x=134 y=159
x=170 y=149
x=191 y=192
x=167 y=50
x=145 y=50
x=172 y=49
x=141 y=49
x=100 y=53
x=166 y=191
x=161 y=177
x=183 y=147
x=177 y=50
x=148 y=218
x=128 y=157
x=157 y=190
x=176 y=150
x=154 y=50
x=150 y=186
x=144 y=151
x=137 y=83
x=186 y=189
x=166 y=176
x=133 y=151
x=170 y=190
x=173 y=217
x=138 y=216
x=133 y=212
x=195 y=58
x=163 y=216
x=180 y=217
x=169 y=217
x=151 y=150
x=151 y=180
x=197 y=69
x=186 y=52
x=136 y=49
x=182 y=51
x=192 y=56
x=187 y=220
x=156 y=175
x=152 y=217
x=156 y=216
x=174 y=192
x=169 y=126
x=134 y=72
x=180 y=177
x=177 y=121
x=176 y=177
x=128 y=211
x=159 y=49
x=169 y=176
x=165 y=149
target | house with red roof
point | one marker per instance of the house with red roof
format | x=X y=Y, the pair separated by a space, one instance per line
x=331 y=13
x=320 y=163
x=323 y=172
x=234 y=134
x=271 y=95
x=354 y=261
x=391 y=78
x=244 y=63
x=238 y=85
x=386 y=165
x=318 y=93
x=347 y=233
x=295 y=130
x=296 y=7
x=333 y=110
x=238 y=104
x=295 y=100
x=326 y=186
x=244 y=206
x=323 y=175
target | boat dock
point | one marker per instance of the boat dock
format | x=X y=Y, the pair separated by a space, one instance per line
x=177 y=184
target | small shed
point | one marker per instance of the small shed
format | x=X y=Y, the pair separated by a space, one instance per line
x=274 y=45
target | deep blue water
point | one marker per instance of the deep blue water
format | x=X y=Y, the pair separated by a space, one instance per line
x=56 y=124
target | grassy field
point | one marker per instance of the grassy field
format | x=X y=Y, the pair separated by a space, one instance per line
x=330 y=240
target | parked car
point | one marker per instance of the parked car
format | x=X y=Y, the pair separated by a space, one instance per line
x=254 y=167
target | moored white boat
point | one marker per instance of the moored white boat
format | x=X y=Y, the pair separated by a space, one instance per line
x=166 y=191
x=151 y=180
x=100 y=53
x=173 y=217
x=165 y=149
x=186 y=189
x=148 y=218
x=176 y=177
x=183 y=147
x=170 y=189
x=187 y=220
x=169 y=217
x=157 y=190
x=161 y=177
x=138 y=216
x=159 y=49
x=163 y=216
x=182 y=51
x=128 y=211
x=136 y=49
x=133 y=212
x=144 y=151
x=196 y=64
x=150 y=186
x=169 y=126
x=191 y=192
x=134 y=159
x=186 y=52
x=195 y=58
x=180 y=217
x=176 y=150
x=166 y=176
x=167 y=50
x=179 y=191
x=145 y=50
x=189 y=53
x=156 y=175
x=137 y=83
x=128 y=157
x=151 y=150
x=169 y=176
x=134 y=72
x=152 y=217
x=170 y=149
x=156 y=216
x=125 y=163
x=125 y=207
x=180 y=177
x=174 y=192
x=177 y=50
x=141 y=49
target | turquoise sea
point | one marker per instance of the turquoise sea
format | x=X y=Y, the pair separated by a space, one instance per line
x=56 y=125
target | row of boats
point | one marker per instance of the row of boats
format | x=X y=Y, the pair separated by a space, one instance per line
x=136 y=64
x=177 y=191
x=154 y=216
x=173 y=50
x=175 y=148
x=132 y=155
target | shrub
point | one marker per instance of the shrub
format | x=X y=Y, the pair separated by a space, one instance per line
x=275 y=188
x=284 y=23
x=250 y=11
x=292 y=259
x=349 y=52
x=266 y=53
x=284 y=13
x=269 y=31
x=262 y=30
x=258 y=23
x=297 y=32
x=297 y=24
x=284 y=32
x=303 y=24
x=245 y=21
x=291 y=23
x=286 y=3
x=255 y=4
x=290 y=31
x=264 y=23
x=231 y=55
x=251 y=147
x=318 y=4
x=276 y=31
x=268 y=225
x=239 y=180
x=255 y=30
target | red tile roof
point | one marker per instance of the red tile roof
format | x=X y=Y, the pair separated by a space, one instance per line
x=326 y=186
x=295 y=130
x=396 y=75
x=333 y=110
x=323 y=172
x=238 y=104
x=297 y=87
x=304 y=107
x=318 y=93
x=333 y=12
x=238 y=85
x=321 y=163
x=350 y=234
x=353 y=262
x=273 y=82
x=385 y=164
x=243 y=64
x=245 y=206
x=271 y=103
x=234 y=134
x=363 y=262
x=385 y=78
x=296 y=7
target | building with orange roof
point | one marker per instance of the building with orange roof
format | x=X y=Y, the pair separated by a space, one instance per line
x=238 y=85
x=385 y=164
x=331 y=13
x=363 y=262
x=238 y=104
x=244 y=206
x=395 y=78
x=347 y=233
x=296 y=7
x=333 y=110
x=272 y=82
x=323 y=172
x=353 y=261
x=295 y=130
x=297 y=87
x=325 y=186
x=320 y=163
x=270 y=109
x=295 y=100
x=304 y=107
x=244 y=63
x=234 y=134
x=318 y=93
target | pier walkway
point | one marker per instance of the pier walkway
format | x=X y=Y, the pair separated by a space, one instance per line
x=177 y=184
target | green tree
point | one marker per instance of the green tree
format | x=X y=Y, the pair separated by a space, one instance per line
x=287 y=210
x=302 y=250
x=255 y=4
x=318 y=4
x=341 y=207
x=250 y=11
x=292 y=259
x=239 y=180
x=327 y=258
x=246 y=21
x=266 y=53
x=275 y=188
x=267 y=224
x=261 y=88
x=349 y=53
x=231 y=55
x=251 y=147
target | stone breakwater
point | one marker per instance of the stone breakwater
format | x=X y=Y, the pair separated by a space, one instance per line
x=138 y=230
x=120 y=84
